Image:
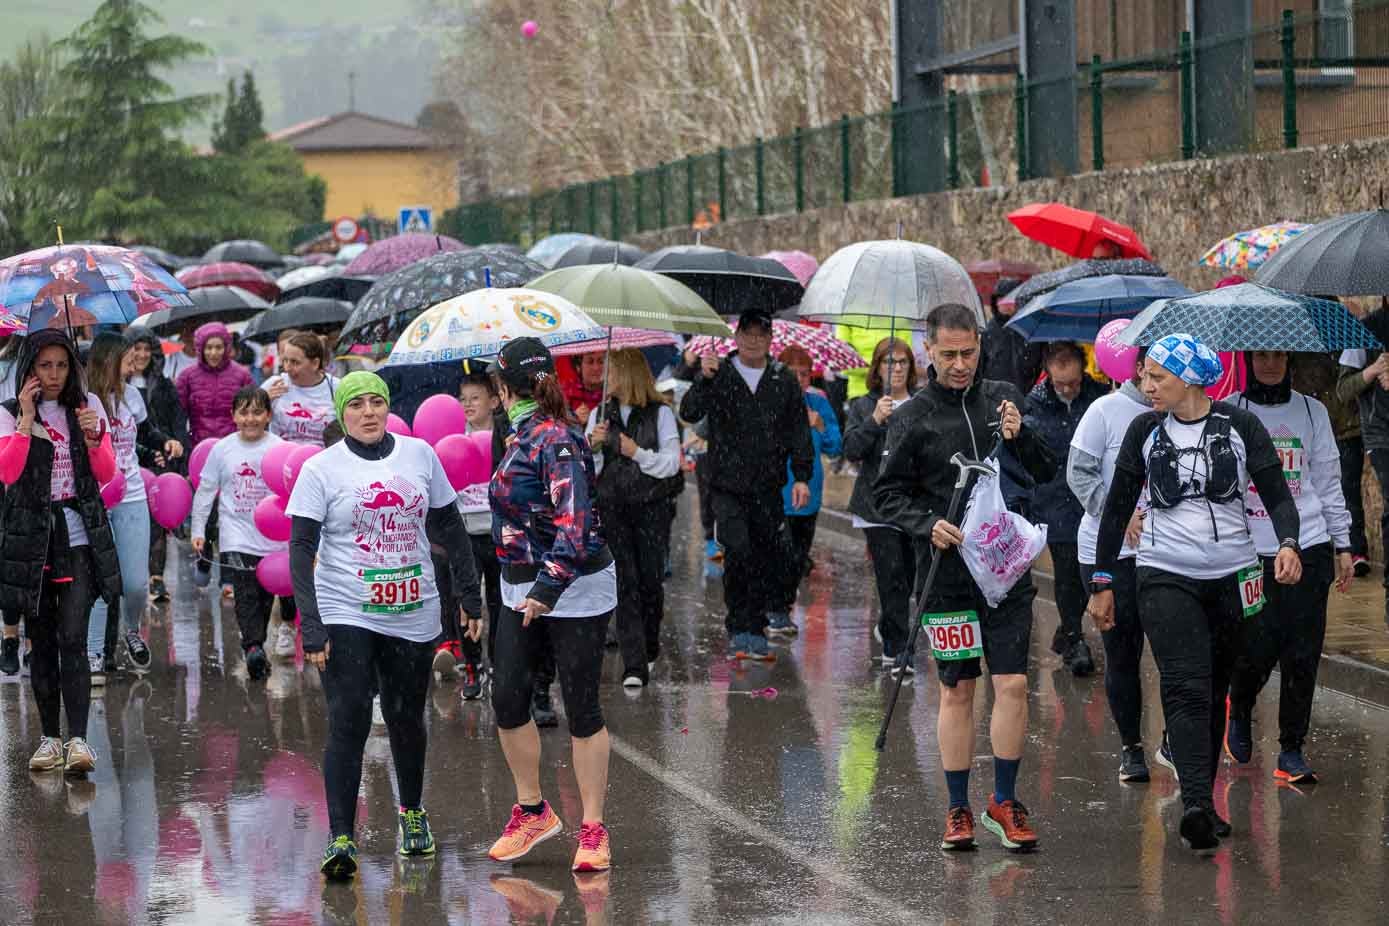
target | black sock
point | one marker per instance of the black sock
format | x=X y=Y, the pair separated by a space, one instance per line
x=536 y=809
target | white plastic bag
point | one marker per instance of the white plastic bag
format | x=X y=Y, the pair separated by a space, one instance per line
x=999 y=545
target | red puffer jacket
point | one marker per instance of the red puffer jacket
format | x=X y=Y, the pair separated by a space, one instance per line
x=206 y=392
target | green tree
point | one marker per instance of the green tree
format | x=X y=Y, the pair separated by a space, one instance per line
x=224 y=129
x=250 y=111
x=242 y=120
x=31 y=88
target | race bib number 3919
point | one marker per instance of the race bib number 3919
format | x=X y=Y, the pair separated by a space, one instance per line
x=954 y=635
x=393 y=591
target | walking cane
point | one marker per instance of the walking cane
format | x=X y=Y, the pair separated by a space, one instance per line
x=965 y=466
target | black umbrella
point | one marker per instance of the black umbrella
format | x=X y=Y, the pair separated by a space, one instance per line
x=347 y=289
x=1081 y=270
x=163 y=258
x=210 y=304
x=308 y=313
x=255 y=253
x=396 y=298
x=1345 y=256
x=600 y=252
x=730 y=282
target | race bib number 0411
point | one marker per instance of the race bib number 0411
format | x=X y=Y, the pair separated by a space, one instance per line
x=954 y=635
x=392 y=591
x=1251 y=589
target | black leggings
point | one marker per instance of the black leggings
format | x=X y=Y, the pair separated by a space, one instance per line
x=357 y=660
x=637 y=536
x=1123 y=654
x=159 y=549
x=1070 y=591
x=253 y=602
x=894 y=572
x=1288 y=634
x=578 y=646
x=800 y=530
x=1193 y=626
x=59 y=671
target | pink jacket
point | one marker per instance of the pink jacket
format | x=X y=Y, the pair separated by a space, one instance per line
x=205 y=393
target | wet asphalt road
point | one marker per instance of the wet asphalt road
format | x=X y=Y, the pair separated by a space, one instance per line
x=725 y=806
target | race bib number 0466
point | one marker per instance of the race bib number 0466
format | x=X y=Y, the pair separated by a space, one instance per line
x=392 y=591
x=954 y=635
x=1251 y=589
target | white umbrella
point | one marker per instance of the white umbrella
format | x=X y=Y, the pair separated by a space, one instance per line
x=887 y=284
x=479 y=323
x=301 y=276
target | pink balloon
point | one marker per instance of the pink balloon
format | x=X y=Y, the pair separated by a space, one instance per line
x=529 y=28
x=171 y=500
x=483 y=441
x=273 y=573
x=114 y=491
x=1115 y=360
x=461 y=460
x=272 y=467
x=271 y=519
x=198 y=459
x=295 y=462
x=149 y=478
x=438 y=417
x=396 y=425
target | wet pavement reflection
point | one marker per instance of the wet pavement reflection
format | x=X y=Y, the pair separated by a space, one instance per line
x=739 y=794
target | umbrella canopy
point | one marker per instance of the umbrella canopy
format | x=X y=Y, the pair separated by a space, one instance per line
x=396 y=298
x=209 y=304
x=730 y=282
x=1046 y=282
x=230 y=273
x=800 y=263
x=549 y=249
x=1252 y=317
x=885 y=284
x=1249 y=250
x=398 y=251
x=1345 y=256
x=505 y=246
x=301 y=275
x=478 y=323
x=163 y=258
x=599 y=252
x=255 y=253
x=1076 y=311
x=349 y=252
x=1076 y=232
x=826 y=351
x=346 y=288
x=633 y=298
x=622 y=338
x=307 y=313
x=987 y=273
x=91 y=284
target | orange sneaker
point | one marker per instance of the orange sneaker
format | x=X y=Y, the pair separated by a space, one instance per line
x=526 y=899
x=524 y=831
x=593 y=854
x=959 y=830
x=1008 y=821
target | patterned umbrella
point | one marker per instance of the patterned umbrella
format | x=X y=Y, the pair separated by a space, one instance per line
x=1253 y=317
x=1077 y=310
x=1046 y=282
x=621 y=338
x=1247 y=250
x=398 y=251
x=92 y=284
x=477 y=324
x=825 y=349
x=800 y=263
x=230 y=273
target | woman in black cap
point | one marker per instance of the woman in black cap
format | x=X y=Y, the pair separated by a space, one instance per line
x=558 y=581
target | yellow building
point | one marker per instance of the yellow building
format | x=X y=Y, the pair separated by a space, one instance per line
x=374 y=166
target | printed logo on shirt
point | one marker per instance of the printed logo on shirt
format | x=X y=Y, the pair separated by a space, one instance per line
x=1292 y=456
x=247 y=488
x=387 y=522
x=564 y=453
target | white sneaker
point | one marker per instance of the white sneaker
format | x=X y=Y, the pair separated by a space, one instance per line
x=80 y=757
x=632 y=681
x=378 y=719
x=98 y=666
x=48 y=757
x=285 y=640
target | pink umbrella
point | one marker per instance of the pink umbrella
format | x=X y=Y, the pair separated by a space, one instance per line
x=825 y=349
x=390 y=254
x=230 y=273
x=622 y=338
x=800 y=263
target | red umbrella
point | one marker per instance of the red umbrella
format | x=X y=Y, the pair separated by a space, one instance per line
x=1076 y=232
x=230 y=273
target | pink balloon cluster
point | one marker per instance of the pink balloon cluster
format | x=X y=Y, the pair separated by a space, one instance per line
x=466 y=458
x=280 y=468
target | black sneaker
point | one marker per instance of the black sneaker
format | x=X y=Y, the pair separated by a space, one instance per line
x=1239 y=734
x=542 y=710
x=158 y=591
x=339 y=859
x=1164 y=755
x=257 y=663
x=1220 y=825
x=1079 y=660
x=471 y=686
x=415 y=836
x=1060 y=642
x=136 y=649
x=9 y=655
x=1134 y=765
x=1198 y=830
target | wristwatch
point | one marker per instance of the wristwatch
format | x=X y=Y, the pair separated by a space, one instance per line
x=1288 y=543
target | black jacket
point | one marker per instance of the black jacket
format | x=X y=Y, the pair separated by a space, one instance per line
x=1053 y=503
x=165 y=417
x=916 y=478
x=863 y=444
x=752 y=435
x=1008 y=357
x=622 y=483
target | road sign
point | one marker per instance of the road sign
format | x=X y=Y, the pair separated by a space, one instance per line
x=415 y=219
x=345 y=230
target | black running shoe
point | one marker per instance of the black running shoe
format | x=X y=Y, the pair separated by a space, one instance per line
x=257 y=663
x=138 y=652
x=1133 y=766
x=9 y=655
x=1198 y=830
x=1239 y=736
x=1222 y=827
x=158 y=591
x=542 y=710
x=415 y=836
x=471 y=682
x=339 y=859
x=1079 y=660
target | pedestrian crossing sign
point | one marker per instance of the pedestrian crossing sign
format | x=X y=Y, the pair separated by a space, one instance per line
x=415 y=219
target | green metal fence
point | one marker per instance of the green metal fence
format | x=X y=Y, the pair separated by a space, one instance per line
x=1309 y=79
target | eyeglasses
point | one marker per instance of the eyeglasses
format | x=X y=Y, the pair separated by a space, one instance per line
x=894 y=361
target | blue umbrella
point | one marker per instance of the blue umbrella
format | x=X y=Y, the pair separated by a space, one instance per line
x=1253 y=317
x=1077 y=310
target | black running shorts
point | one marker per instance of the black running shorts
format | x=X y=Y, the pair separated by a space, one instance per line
x=1006 y=629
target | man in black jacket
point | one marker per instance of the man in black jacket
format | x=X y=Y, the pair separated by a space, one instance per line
x=1005 y=355
x=960 y=412
x=755 y=415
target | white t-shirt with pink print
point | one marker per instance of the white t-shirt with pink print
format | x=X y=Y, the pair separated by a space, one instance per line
x=63 y=483
x=232 y=476
x=130 y=414
x=300 y=415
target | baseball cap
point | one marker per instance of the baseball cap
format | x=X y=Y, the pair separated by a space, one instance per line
x=522 y=360
x=755 y=317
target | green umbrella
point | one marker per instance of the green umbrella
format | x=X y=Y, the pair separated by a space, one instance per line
x=618 y=296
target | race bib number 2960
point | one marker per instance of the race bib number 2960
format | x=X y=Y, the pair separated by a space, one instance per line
x=392 y=591
x=955 y=635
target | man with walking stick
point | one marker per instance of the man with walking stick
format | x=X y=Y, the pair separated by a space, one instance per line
x=958 y=413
